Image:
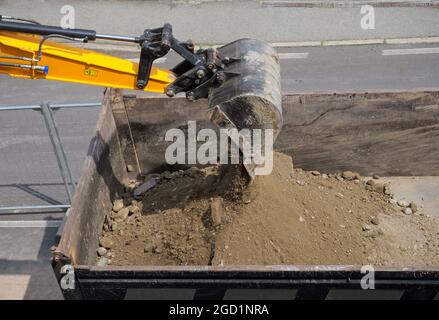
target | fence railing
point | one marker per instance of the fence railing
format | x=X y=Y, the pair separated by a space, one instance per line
x=47 y=112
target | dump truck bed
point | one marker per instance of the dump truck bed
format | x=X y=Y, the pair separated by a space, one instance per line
x=130 y=131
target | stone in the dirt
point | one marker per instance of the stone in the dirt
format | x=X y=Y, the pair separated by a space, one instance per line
x=148 y=248
x=375 y=176
x=366 y=227
x=117 y=205
x=349 y=175
x=324 y=176
x=407 y=211
x=102 y=262
x=167 y=175
x=373 y=233
x=102 y=251
x=157 y=250
x=300 y=182
x=339 y=195
x=192 y=172
x=414 y=207
x=144 y=187
x=387 y=190
x=378 y=187
x=121 y=215
x=216 y=211
x=130 y=168
x=106 y=242
x=315 y=173
x=370 y=182
x=403 y=203
x=375 y=220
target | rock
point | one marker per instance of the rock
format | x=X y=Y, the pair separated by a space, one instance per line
x=148 y=248
x=216 y=211
x=130 y=168
x=339 y=195
x=349 y=175
x=102 y=251
x=315 y=173
x=114 y=226
x=414 y=207
x=375 y=176
x=366 y=227
x=133 y=209
x=106 y=242
x=167 y=175
x=357 y=181
x=121 y=215
x=339 y=178
x=324 y=176
x=117 y=205
x=403 y=203
x=407 y=211
x=156 y=250
x=370 y=182
x=375 y=220
x=393 y=201
x=144 y=187
x=102 y=262
x=378 y=187
x=300 y=182
x=374 y=233
x=387 y=190
x=192 y=172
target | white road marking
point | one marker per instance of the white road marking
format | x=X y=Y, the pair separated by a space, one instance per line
x=292 y=55
x=399 y=52
x=31 y=224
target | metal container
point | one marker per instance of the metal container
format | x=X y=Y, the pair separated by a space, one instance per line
x=130 y=131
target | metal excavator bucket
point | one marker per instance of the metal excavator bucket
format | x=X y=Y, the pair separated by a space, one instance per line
x=250 y=97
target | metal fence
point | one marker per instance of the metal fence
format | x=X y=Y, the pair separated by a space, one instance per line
x=23 y=162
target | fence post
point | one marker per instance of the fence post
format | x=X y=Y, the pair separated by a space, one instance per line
x=59 y=150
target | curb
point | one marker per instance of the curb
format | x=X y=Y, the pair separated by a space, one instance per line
x=350 y=4
x=105 y=46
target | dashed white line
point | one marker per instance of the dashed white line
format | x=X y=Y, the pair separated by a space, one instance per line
x=31 y=224
x=293 y=55
x=400 y=52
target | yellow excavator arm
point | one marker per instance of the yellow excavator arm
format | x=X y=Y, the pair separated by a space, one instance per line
x=19 y=58
x=241 y=80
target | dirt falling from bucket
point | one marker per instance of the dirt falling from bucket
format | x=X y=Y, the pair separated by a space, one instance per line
x=211 y=217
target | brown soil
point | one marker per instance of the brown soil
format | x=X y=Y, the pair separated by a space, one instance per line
x=288 y=217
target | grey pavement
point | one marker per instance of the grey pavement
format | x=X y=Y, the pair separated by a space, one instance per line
x=225 y=21
x=30 y=175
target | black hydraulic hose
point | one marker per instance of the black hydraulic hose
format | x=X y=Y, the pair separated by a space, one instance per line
x=47 y=30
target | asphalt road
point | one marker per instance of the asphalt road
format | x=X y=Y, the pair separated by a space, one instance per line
x=28 y=169
x=225 y=21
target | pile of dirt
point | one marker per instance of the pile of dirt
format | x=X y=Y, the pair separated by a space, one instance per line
x=212 y=217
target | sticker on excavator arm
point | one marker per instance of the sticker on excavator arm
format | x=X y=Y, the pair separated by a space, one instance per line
x=91 y=72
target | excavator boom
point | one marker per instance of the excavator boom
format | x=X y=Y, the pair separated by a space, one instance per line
x=19 y=58
x=241 y=80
